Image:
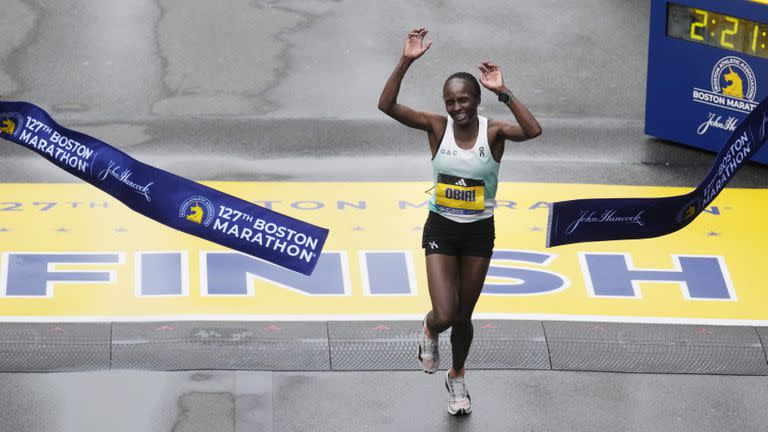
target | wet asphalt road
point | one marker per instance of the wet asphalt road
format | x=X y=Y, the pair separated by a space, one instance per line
x=287 y=90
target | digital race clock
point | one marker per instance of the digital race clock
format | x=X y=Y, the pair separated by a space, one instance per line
x=707 y=69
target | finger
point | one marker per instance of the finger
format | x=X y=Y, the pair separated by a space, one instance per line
x=429 y=44
x=483 y=68
x=423 y=33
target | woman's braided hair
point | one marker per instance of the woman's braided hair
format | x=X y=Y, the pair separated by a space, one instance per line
x=469 y=78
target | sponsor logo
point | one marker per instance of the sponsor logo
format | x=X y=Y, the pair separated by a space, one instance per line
x=124 y=176
x=763 y=125
x=9 y=124
x=461 y=182
x=716 y=121
x=606 y=217
x=197 y=209
x=733 y=86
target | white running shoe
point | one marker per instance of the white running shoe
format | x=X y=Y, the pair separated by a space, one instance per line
x=459 y=402
x=428 y=352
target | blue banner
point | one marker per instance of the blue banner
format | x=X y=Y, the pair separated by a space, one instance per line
x=587 y=220
x=164 y=197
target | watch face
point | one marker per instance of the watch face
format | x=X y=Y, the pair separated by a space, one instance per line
x=503 y=97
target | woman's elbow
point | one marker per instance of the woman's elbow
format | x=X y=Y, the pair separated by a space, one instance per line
x=531 y=133
x=387 y=108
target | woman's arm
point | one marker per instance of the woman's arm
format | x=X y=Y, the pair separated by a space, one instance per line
x=414 y=48
x=527 y=127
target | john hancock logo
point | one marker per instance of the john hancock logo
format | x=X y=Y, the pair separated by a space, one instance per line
x=123 y=175
x=10 y=124
x=197 y=209
x=606 y=217
x=733 y=87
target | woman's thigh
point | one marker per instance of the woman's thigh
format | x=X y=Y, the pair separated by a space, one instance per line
x=443 y=283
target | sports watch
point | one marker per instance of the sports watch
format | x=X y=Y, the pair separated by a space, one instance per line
x=505 y=96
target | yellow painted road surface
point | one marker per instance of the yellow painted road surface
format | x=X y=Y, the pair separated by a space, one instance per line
x=711 y=271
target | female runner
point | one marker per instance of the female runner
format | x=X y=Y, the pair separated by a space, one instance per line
x=459 y=231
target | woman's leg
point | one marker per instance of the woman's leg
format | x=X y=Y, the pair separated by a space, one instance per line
x=443 y=283
x=472 y=272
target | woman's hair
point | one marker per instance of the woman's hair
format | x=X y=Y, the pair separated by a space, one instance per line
x=466 y=76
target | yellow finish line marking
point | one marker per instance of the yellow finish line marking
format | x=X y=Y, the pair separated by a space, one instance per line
x=71 y=252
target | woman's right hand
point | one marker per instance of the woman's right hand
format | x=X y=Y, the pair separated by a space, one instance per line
x=415 y=46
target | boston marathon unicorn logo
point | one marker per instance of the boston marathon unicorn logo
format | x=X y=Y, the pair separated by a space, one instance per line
x=9 y=124
x=735 y=85
x=197 y=209
x=688 y=211
x=197 y=214
x=733 y=77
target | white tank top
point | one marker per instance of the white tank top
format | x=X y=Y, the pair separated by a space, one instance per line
x=465 y=181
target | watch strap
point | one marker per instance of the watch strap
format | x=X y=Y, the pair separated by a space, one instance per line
x=505 y=96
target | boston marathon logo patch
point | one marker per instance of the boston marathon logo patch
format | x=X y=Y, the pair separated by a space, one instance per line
x=733 y=86
x=688 y=211
x=197 y=209
x=10 y=124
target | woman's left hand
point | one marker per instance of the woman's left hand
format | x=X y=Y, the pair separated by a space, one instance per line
x=490 y=77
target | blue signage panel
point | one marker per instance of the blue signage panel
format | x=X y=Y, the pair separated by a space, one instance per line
x=707 y=69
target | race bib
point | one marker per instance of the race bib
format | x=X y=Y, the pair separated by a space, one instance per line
x=459 y=195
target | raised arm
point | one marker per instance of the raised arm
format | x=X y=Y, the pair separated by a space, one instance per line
x=527 y=127
x=414 y=48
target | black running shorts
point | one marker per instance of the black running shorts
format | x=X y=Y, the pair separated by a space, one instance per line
x=446 y=237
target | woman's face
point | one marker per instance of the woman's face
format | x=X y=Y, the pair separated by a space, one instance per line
x=460 y=101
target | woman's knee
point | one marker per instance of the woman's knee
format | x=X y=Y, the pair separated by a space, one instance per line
x=441 y=319
x=462 y=320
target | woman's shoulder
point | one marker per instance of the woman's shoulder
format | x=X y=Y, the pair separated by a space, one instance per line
x=439 y=123
x=493 y=123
